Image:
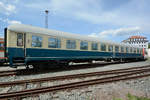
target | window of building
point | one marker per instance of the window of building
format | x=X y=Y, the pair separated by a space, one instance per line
x=71 y=44
x=19 y=39
x=116 y=48
x=110 y=48
x=103 y=47
x=122 y=49
x=36 y=41
x=94 y=46
x=83 y=45
x=54 y=43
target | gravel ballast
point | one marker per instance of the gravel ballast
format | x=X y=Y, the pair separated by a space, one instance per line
x=139 y=87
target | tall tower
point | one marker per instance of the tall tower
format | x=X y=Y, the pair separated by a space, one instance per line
x=46 y=18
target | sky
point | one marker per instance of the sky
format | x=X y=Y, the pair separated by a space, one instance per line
x=114 y=20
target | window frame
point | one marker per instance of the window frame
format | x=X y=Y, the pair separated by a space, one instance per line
x=110 y=48
x=83 y=43
x=94 y=46
x=134 y=50
x=71 y=45
x=40 y=41
x=138 y=50
x=122 y=49
x=56 y=44
x=131 y=50
x=103 y=47
x=116 y=48
x=127 y=49
x=18 y=40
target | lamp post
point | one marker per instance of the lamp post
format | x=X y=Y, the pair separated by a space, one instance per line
x=46 y=18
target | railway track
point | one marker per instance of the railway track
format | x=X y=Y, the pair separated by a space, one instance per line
x=83 y=75
x=122 y=74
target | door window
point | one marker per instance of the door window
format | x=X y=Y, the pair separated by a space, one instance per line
x=19 y=39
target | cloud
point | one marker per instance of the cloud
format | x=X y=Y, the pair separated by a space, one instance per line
x=121 y=31
x=7 y=8
x=94 y=11
x=129 y=13
x=10 y=22
x=122 y=13
x=116 y=32
x=13 y=22
x=93 y=35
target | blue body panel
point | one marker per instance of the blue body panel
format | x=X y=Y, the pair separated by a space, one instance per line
x=15 y=52
x=33 y=54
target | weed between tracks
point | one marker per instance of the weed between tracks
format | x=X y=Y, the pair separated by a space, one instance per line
x=132 y=97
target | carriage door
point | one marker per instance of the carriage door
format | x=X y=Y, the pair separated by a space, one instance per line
x=21 y=44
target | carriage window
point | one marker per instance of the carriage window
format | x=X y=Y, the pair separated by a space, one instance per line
x=83 y=45
x=137 y=50
x=127 y=49
x=141 y=51
x=71 y=44
x=19 y=39
x=54 y=43
x=131 y=50
x=110 y=48
x=116 y=48
x=134 y=50
x=94 y=46
x=36 y=41
x=103 y=47
x=122 y=49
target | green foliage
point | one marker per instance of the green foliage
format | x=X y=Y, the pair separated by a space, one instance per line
x=149 y=45
x=117 y=99
x=132 y=97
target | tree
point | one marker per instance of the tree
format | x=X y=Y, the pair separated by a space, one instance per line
x=149 y=45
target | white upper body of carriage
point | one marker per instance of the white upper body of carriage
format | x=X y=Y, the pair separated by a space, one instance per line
x=21 y=28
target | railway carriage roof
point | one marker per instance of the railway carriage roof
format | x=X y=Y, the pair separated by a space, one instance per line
x=37 y=30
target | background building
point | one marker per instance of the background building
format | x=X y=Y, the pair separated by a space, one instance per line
x=139 y=41
x=1 y=43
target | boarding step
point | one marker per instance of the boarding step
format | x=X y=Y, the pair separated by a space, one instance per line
x=18 y=61
x=18 y=64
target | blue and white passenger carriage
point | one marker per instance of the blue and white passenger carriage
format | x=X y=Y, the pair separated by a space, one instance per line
x=34 y=45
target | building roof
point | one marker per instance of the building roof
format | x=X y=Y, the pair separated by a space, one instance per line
x=1 y=38
x=137 y=37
